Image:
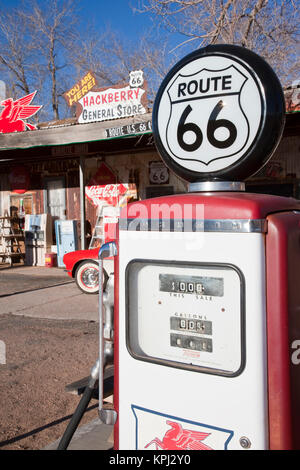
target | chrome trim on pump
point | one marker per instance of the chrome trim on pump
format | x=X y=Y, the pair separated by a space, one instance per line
x=207 y=186
x=192 y=225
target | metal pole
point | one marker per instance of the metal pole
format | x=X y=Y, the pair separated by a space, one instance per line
x=82 y=201
x=107 y=415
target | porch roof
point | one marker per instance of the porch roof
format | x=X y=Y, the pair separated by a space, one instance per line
x=130 y=134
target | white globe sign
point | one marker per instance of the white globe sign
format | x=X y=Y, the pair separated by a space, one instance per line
x=212 y=112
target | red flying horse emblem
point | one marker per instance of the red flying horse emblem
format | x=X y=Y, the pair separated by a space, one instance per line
x=177 y=438
x=11 y=118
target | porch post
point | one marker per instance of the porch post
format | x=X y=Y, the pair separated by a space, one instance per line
x=82 y=200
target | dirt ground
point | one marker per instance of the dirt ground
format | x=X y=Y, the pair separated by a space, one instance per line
x=42 y=357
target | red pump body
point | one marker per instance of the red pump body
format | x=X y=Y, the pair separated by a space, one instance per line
x=280 y=338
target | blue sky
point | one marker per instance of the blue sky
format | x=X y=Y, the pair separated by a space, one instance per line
x=118 y=14
x=115 y=13
x=100 y=15
x=120 y=17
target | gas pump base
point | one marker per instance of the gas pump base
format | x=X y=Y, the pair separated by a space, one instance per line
x=207 y=323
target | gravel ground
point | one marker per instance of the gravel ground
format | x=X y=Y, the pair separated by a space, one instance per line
x=42 y=357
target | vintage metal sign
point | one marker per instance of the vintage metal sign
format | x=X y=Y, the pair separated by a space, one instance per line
x=157 y=431
x=211 y=100
x=158 y=173
x=12 y=117
x=107 y=193
x=103 y=188
x=19 y=179
x=136 y=78
x=113 y=102
x=129 y=129
x=86 y=84
x=214 y=111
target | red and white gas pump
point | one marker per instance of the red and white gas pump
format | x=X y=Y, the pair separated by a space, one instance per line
x=207 y=298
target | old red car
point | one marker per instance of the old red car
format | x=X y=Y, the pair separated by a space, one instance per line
x=82 y=265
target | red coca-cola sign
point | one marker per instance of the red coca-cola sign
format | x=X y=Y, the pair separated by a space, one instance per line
x=110 y=193
x=103 y=187
x=19 y=179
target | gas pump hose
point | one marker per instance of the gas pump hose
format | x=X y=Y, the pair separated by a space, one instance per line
x=80 y=410
x=106 y=352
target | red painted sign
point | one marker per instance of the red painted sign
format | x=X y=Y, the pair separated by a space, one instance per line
x=104 y=175
x=103 y=188
x=14 y=112
x=109 y=193
x=19 y=179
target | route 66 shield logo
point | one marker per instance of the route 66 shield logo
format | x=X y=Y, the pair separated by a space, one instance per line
x=136 y=78
x=206 y=115
x=219 y=113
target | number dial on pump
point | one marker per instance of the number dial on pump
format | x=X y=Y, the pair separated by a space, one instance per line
x=219 y=113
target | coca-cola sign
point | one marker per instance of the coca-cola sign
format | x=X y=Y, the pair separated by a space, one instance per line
x=103 y=188
x=109 y=193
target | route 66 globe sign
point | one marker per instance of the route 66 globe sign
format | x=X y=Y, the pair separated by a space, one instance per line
x=219 y=114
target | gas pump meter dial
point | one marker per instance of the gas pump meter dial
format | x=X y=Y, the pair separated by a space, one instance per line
x=189 y=316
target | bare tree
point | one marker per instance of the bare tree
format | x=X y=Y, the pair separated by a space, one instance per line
x=112 y=58
x=53 y=28
x=16 y=54
x=271 y=28
x=35 y=40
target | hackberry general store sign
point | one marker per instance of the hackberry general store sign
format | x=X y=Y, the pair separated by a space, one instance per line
x=114 y=102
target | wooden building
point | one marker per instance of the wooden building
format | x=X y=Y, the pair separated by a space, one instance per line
x=49 y=168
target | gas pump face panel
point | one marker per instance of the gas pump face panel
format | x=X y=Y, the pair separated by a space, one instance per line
x=186 y=315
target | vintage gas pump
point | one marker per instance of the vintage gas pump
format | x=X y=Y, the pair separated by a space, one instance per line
x=207 y=298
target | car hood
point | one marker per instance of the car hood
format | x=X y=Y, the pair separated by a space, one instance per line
x=73 y=257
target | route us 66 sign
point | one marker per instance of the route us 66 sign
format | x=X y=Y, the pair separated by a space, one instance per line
x=219 y=114
x=136 y=78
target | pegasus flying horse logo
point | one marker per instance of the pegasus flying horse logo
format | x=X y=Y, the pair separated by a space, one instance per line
x=14 y=112
x=178 y=438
